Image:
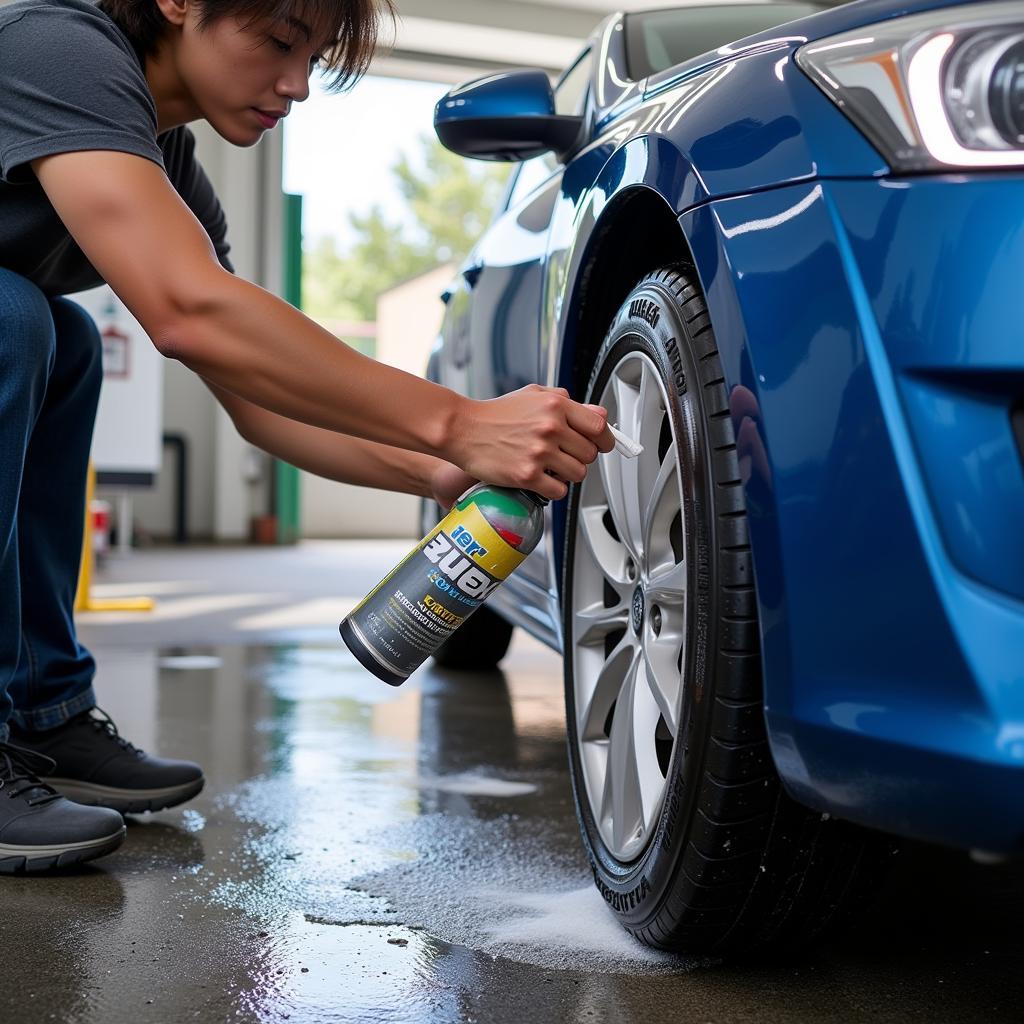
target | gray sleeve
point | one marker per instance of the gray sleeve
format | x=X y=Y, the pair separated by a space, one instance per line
x=191 y=183
x=70 y=82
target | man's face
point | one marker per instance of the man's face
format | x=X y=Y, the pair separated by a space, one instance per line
x=244 y=75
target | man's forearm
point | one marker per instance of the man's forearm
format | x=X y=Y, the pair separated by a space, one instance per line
x=248 y=342
x=328 y=454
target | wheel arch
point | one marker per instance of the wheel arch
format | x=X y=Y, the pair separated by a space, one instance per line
x=639 y=228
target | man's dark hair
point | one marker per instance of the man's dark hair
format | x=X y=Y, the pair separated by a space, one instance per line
x=352 y=25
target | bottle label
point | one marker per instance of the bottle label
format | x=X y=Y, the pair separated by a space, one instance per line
x=432 y=591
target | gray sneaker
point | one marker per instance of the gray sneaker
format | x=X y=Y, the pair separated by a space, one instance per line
x=39 y=828
x=95 y=764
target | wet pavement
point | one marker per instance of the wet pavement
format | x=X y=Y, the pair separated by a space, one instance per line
x=365 y=854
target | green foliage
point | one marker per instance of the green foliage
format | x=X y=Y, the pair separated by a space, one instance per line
x=451 y=201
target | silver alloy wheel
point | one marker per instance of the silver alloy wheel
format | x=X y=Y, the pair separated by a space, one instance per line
x=629 y=608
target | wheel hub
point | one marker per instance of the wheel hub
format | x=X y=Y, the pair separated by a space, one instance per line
x=638 y=610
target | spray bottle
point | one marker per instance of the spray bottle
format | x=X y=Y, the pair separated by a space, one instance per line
x=443 y=580
x=447 y=576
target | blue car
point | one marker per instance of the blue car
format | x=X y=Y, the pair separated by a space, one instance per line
x=783 y=244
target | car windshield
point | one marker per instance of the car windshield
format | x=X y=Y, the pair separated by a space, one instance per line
x=656 y=40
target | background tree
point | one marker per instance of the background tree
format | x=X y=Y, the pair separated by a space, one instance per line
x=450 y=201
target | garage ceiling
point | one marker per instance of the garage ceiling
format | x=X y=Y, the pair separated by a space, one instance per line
x=450 y=40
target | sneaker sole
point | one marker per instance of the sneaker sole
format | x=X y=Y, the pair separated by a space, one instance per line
x=127 y=801
x=18 y=860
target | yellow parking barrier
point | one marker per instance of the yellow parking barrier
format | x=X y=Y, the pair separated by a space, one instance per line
x=84 y=602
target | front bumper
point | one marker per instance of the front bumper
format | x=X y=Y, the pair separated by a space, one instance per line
x=873 y=342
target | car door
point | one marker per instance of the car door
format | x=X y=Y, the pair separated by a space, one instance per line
x=502 y=285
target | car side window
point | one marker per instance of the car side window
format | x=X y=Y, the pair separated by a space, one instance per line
x=571 y=91
x=532 y=174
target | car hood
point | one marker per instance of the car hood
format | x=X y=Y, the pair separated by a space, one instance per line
x=796 y=33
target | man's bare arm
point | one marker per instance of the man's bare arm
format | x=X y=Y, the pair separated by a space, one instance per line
x=328 y=454
x=145 y=242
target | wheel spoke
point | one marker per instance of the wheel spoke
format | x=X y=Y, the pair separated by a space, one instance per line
x=650 y=414
x=593 y=623
x=663 y=679
x=619 y=482
x=650 y=417
x=626 y=798
x=626 y=472
x=646 y=715
x=594 y=699
x=626 y=401
x=641 y=412
x=608 y=554
x=662 y=504
x=606 y=812
x=667 y=585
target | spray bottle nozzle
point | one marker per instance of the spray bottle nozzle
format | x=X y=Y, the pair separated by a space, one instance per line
x=625 y=445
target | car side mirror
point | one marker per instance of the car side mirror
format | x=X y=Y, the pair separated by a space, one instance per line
x=508 y=116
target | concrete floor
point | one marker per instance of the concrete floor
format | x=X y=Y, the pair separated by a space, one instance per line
x=368 y=854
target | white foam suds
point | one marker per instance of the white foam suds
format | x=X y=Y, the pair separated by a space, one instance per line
x=576 y=920
x=186 y=662
x=513 y=886
x=476 y=785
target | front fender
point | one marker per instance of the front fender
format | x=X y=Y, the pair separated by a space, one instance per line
x=594 y=189
x=892 y=678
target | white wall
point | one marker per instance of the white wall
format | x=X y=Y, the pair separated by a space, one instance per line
x=408 y=320
x=409 y=317
x=190 y=410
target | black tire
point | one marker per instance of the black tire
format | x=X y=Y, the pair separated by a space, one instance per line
x=479 y=644
x=481 y=641
x=733 y=866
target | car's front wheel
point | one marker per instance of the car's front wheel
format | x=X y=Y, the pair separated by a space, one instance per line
x=693 y=843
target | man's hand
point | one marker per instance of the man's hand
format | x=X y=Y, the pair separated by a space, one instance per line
x=536 y=438
x=448 y=483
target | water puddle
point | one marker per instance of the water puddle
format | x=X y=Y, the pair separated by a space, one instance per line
x=476 y=785
x=385 y=973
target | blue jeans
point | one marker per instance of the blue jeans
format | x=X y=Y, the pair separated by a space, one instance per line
x=50 y=374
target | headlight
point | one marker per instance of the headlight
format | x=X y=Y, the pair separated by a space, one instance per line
x=935 y=90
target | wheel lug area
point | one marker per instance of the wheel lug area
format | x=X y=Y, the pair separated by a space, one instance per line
x=656 y=620
x=631 y=573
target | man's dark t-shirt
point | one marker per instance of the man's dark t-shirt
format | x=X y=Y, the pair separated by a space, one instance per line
x=70 y=80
